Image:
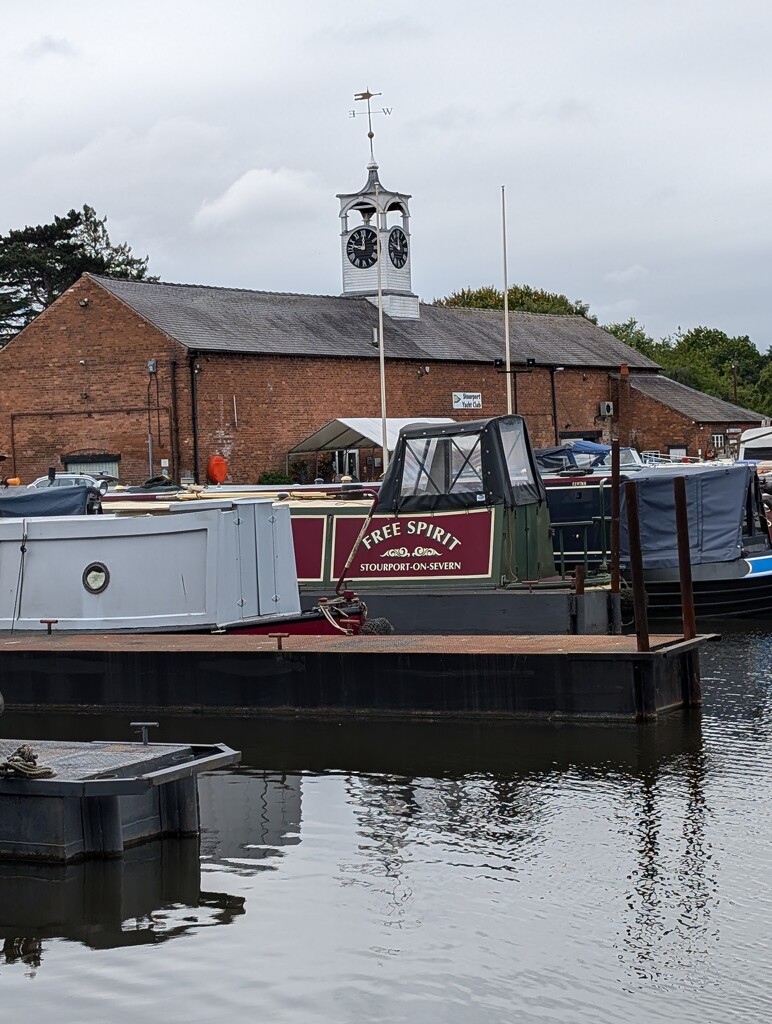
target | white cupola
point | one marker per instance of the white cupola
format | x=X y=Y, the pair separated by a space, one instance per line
x=376 y=247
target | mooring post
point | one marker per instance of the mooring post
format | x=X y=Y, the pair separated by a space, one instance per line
x=142 y=729
x=636 y=565
x=616 y=608
x=689 y=618
x=279 y=638
x=579 y=580
x=693 y=684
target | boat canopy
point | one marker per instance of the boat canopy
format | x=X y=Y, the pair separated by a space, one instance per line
x=358 y=432
x=555 y=458
x=462 y=465
x=49 y=501
x=718 y=500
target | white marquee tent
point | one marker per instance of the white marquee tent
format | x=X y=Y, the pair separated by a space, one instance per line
x=365 y=432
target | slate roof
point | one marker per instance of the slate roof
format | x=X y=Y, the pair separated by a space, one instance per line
x=700 y=408
x=234 y=320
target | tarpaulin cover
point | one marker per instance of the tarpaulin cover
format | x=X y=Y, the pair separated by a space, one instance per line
x=590 y=448
x=462 y=465
x=49 y=501
x=554 y=458
x=716 y=500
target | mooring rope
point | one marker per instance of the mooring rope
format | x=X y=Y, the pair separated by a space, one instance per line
x=23 y=762
x=20 y=579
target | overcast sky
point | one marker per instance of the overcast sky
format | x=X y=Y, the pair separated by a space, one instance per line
x=632 y=138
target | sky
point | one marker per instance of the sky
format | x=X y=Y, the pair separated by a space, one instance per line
x=632 y=140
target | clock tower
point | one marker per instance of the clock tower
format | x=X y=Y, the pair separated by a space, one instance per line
x=376 y=248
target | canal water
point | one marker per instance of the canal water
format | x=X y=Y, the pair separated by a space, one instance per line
x=355 y=872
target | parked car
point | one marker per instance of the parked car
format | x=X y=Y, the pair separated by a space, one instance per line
x=70 y=480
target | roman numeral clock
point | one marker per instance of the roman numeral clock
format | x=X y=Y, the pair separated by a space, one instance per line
x=375 y=236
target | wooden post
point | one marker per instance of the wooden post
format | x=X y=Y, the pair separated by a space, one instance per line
x=616 y=601
x=615 y=485
x=692 y=684
x=636 y=565
x=579 y=580
x=689 y=617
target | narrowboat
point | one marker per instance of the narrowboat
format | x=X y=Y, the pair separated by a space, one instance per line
x=729 y=536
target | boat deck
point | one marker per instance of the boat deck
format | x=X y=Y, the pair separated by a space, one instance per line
x=212 y=643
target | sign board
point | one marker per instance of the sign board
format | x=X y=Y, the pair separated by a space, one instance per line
x=467 y=400
x=443 y=545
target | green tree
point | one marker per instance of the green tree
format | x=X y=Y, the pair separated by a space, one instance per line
x=634 y=334
x=522 y=297
x=706 y=359
x=38 y=264
x=735 y=363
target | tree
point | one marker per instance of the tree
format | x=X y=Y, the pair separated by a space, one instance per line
x=38 y=264
x=706 y=359
x=522 y=297
x=634 y=334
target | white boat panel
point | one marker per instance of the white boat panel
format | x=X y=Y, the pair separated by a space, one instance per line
x=197 y=569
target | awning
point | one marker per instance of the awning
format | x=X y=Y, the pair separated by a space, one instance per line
x=364 y=432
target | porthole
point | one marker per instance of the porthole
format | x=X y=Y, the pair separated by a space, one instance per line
x=96 y=576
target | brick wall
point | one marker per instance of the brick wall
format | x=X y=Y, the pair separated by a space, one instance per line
x=76 y=379
x=281 y=400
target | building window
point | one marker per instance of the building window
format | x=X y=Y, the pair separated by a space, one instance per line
x=717 y=441
x=678 y=451
x=92 y=463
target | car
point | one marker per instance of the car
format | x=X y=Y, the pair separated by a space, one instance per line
x=70 y=480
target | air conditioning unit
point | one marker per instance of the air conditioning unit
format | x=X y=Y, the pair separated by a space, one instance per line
x=605 y=408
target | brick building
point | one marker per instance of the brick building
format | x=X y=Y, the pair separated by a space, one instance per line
x=139 y=375
x=656 y=413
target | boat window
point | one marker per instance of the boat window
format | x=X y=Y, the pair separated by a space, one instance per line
x=442 y=465
x=516 y=454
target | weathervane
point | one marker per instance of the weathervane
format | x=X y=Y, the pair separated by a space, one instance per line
x=367 y=95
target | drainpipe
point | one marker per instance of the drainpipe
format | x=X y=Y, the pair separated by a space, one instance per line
x=623 y=412
x=175 y=423
x=194 y=411
x=553 y=371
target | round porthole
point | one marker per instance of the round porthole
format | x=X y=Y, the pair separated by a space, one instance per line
x=96 y=577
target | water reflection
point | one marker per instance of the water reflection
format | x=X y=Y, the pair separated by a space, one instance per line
x=673 y=880
x=495 y=870
x=247 y=817
x=150 y=895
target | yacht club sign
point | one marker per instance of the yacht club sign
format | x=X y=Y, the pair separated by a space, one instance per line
x=467 y=400
x=447 y=545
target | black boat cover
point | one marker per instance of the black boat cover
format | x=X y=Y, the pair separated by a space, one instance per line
x=716 y=501
x=446 y=466
x=49 y=501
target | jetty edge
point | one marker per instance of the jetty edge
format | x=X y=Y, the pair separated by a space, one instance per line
x=471 y=677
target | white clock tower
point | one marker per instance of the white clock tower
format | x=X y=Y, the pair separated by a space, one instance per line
x=375 y=245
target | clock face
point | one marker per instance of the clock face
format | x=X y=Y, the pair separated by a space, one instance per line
x=398 y=248
x=362 y=248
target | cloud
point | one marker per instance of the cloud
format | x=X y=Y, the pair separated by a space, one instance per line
x=627 y=275
x=270 y=195
x=50 y=46
x=616 y=312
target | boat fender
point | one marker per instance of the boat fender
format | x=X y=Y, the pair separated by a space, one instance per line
x=216 y=469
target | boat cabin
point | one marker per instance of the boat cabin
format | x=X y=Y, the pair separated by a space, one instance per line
x=460 y=504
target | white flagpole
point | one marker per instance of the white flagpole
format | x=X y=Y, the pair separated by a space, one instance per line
x=381 y=350
x=507 y=372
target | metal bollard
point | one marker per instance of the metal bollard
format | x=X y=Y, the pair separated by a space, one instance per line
x=278 y=637
x=142 y=727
